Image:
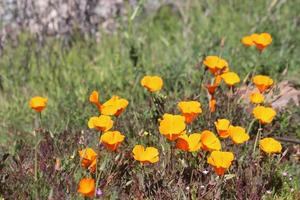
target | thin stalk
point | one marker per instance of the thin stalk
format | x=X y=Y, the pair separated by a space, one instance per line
x=36 y=161
x=97 y=166
x=97 y=178
x=201 y=84
x=230 y=94
x=40 y=120
x=250 y=126
x=256 y=139
x=190 y=162
x=171 y=156
x=36 y=157
x=191 y=178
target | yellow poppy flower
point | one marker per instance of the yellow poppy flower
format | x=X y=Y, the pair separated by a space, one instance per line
x=216 y=65
x=114 y=106
x=152 y=83
x=270 y=145
x=101 y=123
x=172 y=126
x=247 y=41
x=112 y=139
x=265 y=115
x=238 y=134
x=262 y=41
x=262 y=82
x=145 y=156
x=87 y=155
x=189 y=143
x=86 y=187
x=220 y=160
x=190 y=110
x=222 y=126
x=209 y=141
x=230 y=78
x=257 y=98
x=38 y=103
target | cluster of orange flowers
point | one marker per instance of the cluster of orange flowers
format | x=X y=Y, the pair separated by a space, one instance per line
x=264 y=114
x=220 y=69
x=111 y=140
x=174 y=127
x=260 y=41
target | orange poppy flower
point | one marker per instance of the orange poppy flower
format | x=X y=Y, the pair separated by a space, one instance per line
x=230 y=78
x=112 y=139
x=38 y=103
x=152 y=83
x=238 y=134
x=222 y=126
x=262 y=82
x=145 y=156
x=212 y=105
x=265 y=115
x=88 y=158
x=101 y=123
x=262 y=40
x=189 y=143
x=209 y=141
x=216 y=65
x=86 y=187
x=114 y=106
x=94 y=99
x=248 y=40
x=257 y=98
x=221 y=161
x=190 y=110
x=270 y=145
x=172 y=126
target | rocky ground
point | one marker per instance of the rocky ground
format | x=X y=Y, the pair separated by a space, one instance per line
x=60 y=18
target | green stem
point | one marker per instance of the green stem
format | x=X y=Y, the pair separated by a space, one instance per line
x=36 y=157
x=250 y=126
x=97 y=181
x=40 y=119
x=36 y=168
x=256 y=139
x=201 y=84
x=97 y=173
x=35 y=163
x=172 y=156
x=230 y=94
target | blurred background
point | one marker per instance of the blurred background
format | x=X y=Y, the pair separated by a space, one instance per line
x=65 y=49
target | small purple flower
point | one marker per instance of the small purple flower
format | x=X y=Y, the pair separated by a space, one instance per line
x=284 y=173
x=99 y=192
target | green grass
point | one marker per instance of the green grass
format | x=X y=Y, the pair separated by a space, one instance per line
x=166 y=43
